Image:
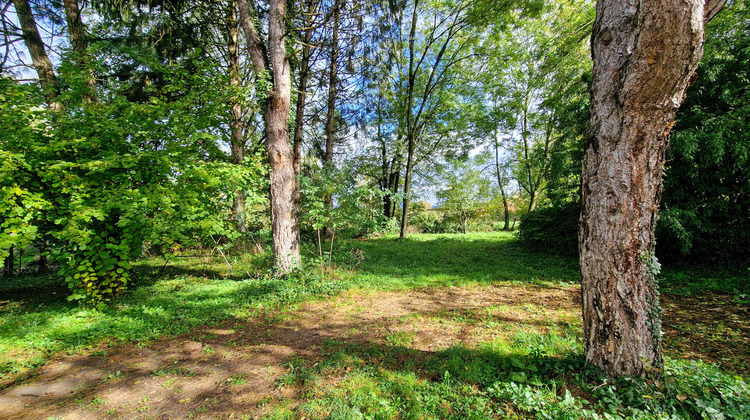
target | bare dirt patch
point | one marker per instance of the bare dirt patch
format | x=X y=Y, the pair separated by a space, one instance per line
x=233 y=369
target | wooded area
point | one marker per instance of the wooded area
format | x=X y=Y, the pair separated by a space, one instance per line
x=277 y=138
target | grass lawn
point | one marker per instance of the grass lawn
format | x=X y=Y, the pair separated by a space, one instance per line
x=434 y=326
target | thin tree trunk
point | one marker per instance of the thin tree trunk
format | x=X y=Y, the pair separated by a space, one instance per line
x=236 y=123
x=284 y=187
x=304 y=76
x=80 y=46
x=42 y=257
x=389 y=177
x=9 y=262
x=407 y=186
x=644 y=55
x=410 y=131
x=506 y=208
x=385 y=175
x=331 y=105
x=332 y=87
x=39 y=57
x=531 y=187
x=396 y=184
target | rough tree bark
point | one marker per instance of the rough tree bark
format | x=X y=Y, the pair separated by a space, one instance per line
x=284 y=185
x=39 y=57
x=645 y=53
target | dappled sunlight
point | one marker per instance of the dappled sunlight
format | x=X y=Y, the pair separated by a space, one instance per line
x=434 y=326
x=240 y=363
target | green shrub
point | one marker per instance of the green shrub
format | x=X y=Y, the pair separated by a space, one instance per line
x=428 y=221
x=553 y=229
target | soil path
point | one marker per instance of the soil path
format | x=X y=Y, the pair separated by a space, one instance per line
x=232 y=369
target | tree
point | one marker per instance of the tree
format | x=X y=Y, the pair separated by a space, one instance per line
x=236 y=123
x=532 y=73
x=410 y=84
x=500 y=170
x=276 y=72
x=79 y=42
x=644 y=56
x=93 y=184
x=465 y=192
x=303 y=74
x=39 y=56
x=430 y=67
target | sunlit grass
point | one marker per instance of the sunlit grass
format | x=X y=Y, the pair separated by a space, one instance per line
x=169 y=303
x=441 y=260
x=526 y=361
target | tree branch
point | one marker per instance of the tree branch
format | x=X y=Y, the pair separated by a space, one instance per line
x=712 y=8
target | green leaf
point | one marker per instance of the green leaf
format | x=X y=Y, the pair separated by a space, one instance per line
x=518 y=377
x=515 y=361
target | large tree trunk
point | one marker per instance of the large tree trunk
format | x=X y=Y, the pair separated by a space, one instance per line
x=39 y=57
x=236 y=123
x=644 y=55
x=80 y=46
x=284 y=185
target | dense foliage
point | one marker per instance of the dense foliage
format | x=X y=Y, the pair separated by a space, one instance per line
x=705 y=213
x=706 y=201
x=552 y=228
x=92 y=186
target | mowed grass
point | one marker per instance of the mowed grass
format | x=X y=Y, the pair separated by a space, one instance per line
x=444 y=260
x=525 y=361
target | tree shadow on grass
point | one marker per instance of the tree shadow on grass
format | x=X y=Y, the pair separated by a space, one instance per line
x=242 y=366
x=45 y=325
x=326 y=358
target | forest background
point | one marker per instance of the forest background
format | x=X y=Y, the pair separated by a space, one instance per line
x=135 y=131
x=146 y=131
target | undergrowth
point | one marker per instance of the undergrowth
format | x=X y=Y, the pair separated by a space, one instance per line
x=532 y=376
